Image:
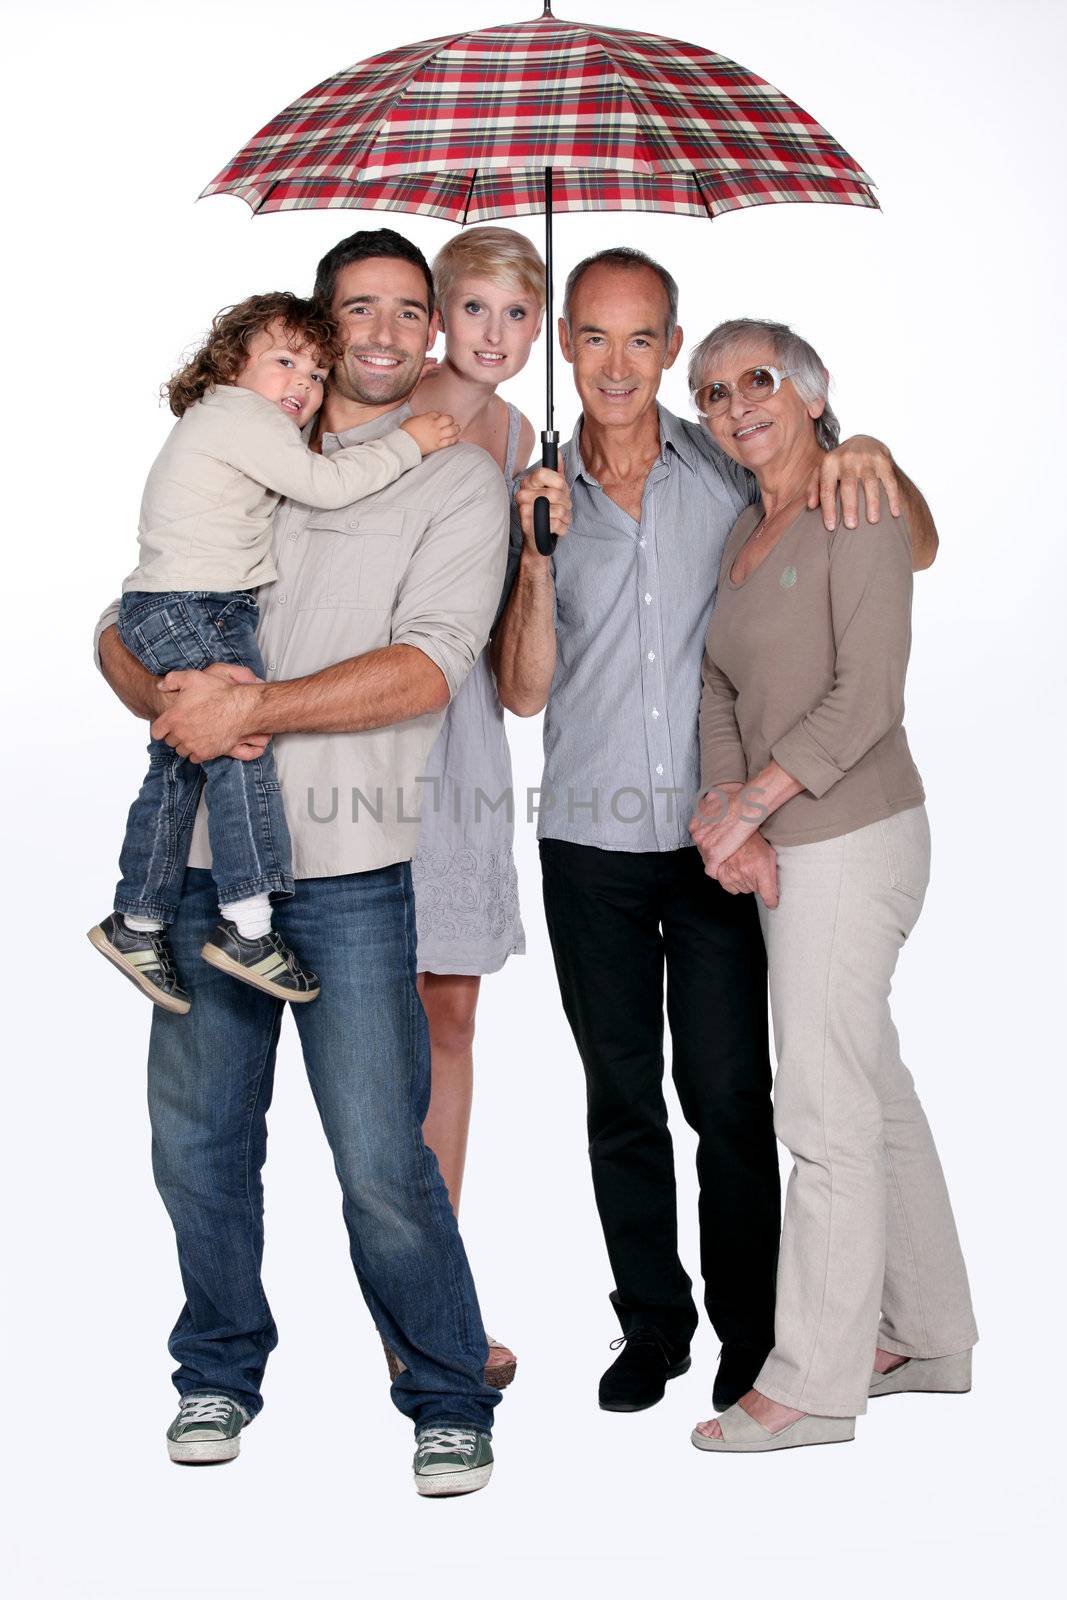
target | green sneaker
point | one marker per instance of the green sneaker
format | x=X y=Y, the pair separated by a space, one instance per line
x=452 y=1460
x=206 y=1429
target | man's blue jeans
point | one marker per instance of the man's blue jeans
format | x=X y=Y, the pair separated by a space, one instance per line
x=250 y=848
x=366 y=1049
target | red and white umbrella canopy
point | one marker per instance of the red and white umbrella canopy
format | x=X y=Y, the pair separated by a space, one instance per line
x=463 y=127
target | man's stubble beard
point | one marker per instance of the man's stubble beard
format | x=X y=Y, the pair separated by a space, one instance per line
x=348 y=384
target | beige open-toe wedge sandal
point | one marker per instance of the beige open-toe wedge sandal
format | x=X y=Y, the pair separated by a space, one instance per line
x=742 y=1434
x=936 y=1375
x=498 y=1375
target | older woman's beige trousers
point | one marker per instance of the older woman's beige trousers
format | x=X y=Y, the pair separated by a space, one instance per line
x=868 y=1231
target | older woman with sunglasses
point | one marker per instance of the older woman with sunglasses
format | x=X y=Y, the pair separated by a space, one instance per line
x=802 y=740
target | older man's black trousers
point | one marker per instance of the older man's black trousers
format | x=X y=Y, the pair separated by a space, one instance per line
x=619 y=921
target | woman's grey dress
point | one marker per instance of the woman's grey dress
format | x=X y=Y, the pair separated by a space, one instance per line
x=466 y=886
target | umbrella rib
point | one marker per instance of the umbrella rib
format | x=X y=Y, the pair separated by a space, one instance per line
x=708 y=207
x=638 y=116
x=470 y=196
x=444 y=44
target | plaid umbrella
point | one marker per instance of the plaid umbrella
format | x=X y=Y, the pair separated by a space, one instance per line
x=540 y=116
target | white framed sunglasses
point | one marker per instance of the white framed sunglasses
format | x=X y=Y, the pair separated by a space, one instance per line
x=757 y=383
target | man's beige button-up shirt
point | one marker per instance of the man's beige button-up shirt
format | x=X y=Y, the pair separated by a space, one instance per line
x=421 y=563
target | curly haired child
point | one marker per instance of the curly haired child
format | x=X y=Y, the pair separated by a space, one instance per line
x=205 y=547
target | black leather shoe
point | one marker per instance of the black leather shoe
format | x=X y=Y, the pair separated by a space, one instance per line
x=638 y=1377
x=739 y=1366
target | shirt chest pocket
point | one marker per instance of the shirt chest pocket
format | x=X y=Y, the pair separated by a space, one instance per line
x=354 y=560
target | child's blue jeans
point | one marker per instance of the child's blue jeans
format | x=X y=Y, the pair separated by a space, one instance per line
x=250 y=849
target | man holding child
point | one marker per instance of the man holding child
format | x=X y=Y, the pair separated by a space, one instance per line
x=377 y=614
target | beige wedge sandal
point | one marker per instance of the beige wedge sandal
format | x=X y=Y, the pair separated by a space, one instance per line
x=936 y=1375
x=498 y=1375
x=743 y=1434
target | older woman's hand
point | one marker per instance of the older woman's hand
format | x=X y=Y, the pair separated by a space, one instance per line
x=720 y=827
x=856 y=461
x=725 y=831
x=752 y=870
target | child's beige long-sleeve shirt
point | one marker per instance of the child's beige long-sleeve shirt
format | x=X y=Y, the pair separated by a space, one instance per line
x=209 y=501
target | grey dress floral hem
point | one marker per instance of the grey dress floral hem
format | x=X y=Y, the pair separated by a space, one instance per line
x=466 y=886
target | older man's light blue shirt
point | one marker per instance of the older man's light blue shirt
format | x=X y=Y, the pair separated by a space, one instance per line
x=622 y=763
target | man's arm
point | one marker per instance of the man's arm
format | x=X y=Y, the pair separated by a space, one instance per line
x=924 y=540
x=136 y=687
x=374 y=690
x=210 y=714
x=443 y=611
x=523 y=648
x=862 y=462
x=142 y=693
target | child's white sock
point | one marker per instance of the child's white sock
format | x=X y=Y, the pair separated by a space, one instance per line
x=252 y=916
x=142 y=924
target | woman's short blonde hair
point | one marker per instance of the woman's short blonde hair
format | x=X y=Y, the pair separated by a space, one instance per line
x=499 y=255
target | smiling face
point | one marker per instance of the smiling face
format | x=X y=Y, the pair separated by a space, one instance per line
x=489 y=329
x=382 y=310
x=617 y=342
x=771 y=429
x=287 y=373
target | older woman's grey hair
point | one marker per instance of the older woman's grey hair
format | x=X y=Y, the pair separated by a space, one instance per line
x=791 y=353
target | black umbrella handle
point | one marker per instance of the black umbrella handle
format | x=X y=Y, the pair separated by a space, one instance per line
x=544 y=539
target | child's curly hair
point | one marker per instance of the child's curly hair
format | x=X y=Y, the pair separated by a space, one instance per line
x=225 y=350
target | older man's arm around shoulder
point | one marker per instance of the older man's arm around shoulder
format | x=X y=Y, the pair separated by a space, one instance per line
x=863 y=463
x=924 y=539
x=523 y=648
x=441 y=618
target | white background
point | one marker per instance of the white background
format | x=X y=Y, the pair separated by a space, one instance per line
x=942 y=322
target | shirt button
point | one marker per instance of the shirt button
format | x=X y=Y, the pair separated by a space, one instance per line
x=652 y=655
x=281 y=599
x=659 y=769
x=642 y=543
x=294 y=537
x=648 y=599
x=655 y=713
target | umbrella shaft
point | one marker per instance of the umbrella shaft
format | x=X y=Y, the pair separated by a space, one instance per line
x=550 y=330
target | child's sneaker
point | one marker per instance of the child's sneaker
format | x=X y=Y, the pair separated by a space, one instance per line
x=266 y=963
x=145 y=958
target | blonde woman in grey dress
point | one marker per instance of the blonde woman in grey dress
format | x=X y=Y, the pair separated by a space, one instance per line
x=490 y=290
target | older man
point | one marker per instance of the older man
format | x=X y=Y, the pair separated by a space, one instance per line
x=609 y=632
x=377 y=615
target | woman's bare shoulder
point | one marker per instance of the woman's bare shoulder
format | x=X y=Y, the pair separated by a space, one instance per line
x=424 y=395
x=527 y=436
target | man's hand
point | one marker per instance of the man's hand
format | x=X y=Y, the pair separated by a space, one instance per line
x=856 y=461
x=752 y=870
x=210 y=713
x=256 y=743
x=554 y=487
